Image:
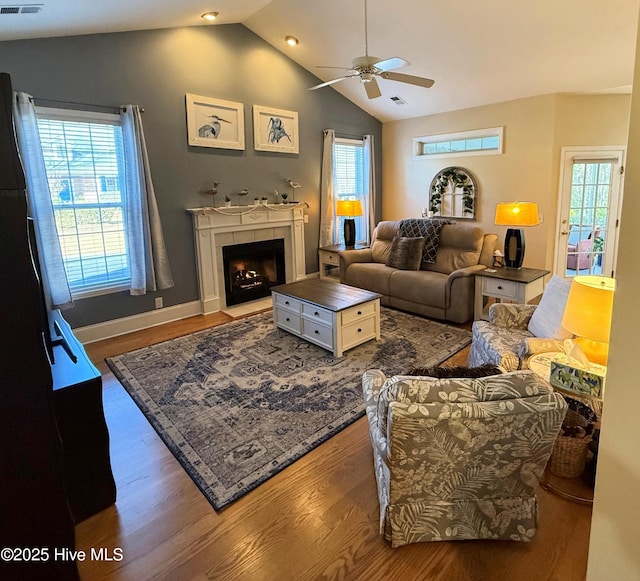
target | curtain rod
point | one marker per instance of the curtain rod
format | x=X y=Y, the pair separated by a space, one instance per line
x=112 y=107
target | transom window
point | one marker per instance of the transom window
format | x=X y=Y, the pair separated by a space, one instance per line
x=83 y=154
x=476 y=142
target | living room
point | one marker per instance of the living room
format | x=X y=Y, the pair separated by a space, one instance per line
x=156 y=68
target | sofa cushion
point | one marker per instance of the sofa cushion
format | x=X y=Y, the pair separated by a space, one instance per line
x=460 y=246
x=371 y=276
x=405 y=253
x=429 y=230
x=546 y=320
x=419 y=286
x=383 y=235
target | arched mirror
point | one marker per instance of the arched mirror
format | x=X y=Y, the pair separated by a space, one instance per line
x=452 y=193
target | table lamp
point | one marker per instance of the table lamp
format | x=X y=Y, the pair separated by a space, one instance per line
x=588 y=315
x=349 y=208
x=515 y=214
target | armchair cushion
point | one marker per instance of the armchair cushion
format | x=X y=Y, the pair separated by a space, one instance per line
x=416 y=390
x=546 y=321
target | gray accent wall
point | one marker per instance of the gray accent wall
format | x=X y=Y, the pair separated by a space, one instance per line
x=155 y=69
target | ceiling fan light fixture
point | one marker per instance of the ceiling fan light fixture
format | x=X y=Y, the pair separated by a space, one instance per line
x=210 y=16
x=291 y=40
x=366 y=77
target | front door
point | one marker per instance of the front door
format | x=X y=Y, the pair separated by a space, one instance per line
x=589 y=210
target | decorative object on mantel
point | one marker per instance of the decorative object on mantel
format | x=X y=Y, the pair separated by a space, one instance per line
x=211 y=191
x=293 y=185
x=248 y=209
x=214 y=122
x=227 y=201
x=284 y=197
x=243 y=192
x=264 y=200
x=452 y=193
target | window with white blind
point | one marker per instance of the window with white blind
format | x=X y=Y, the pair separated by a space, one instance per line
x=83 y=153
x=350 y=170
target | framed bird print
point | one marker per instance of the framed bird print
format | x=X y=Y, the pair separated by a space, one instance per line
x=275 y=130
x=214 y=122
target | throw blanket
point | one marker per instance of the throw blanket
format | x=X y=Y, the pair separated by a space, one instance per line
x=423 y=228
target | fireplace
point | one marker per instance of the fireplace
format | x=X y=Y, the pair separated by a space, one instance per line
x=251 y=269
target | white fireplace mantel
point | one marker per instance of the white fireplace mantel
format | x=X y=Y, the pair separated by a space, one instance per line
x=215 y=228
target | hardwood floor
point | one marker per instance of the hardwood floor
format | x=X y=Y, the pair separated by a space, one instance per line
x=317 y=519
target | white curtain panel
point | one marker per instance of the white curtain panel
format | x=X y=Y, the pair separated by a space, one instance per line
x=150 y=269
x=54 y=278
x=327 y=202
x=370 y=185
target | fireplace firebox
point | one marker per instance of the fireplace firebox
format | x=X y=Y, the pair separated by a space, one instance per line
x=251 y=269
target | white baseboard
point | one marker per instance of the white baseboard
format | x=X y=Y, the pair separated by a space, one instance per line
x=109 y=329
x=116 y=327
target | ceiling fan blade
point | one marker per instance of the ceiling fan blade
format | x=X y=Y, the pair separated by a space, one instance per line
x=330 y=67
x=410 y=79
x=372 y=88
x=391 y=64
x=330 y=82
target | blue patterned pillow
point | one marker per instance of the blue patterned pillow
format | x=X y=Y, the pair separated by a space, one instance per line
x=429 y=230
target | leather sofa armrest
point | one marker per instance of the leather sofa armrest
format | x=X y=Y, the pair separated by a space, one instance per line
x=348 y=257
x=467 y=271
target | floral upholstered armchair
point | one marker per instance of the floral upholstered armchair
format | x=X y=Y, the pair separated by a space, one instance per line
x=516 y=332
x=460 y=458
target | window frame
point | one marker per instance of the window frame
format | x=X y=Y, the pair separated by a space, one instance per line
x=419 y=143
x=362 y=222
x=100 y=118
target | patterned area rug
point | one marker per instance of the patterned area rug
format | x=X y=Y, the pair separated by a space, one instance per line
x=238 y=403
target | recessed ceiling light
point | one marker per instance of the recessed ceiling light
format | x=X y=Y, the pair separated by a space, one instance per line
x=210 y=16
x=291 y=40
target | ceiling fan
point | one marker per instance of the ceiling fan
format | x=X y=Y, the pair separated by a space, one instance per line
x=368 y=67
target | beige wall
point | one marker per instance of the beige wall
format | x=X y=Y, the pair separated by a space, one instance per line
x=535 y=130
x=615 y=529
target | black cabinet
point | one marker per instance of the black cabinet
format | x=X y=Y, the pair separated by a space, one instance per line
x=77 y=399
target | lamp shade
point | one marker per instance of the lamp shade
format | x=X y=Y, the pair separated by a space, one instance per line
x=517 y=214
x=349 y=208
x=589 y=307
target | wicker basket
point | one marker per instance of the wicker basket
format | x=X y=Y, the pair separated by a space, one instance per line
x=569 y=454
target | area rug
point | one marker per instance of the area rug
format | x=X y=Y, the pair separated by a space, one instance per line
x=238 y=403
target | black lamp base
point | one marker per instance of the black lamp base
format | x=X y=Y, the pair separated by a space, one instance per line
x=349 y=232
x=514 y=248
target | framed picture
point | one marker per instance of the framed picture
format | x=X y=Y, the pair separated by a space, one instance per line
x=275 y=130
x=214 y=122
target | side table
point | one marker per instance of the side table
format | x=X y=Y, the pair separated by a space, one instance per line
x=516 y=285
x=329 y=260
x=570 y=488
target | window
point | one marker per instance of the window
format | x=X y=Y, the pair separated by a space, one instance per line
x=350 y=182
x=477 y=142
x=84 y=161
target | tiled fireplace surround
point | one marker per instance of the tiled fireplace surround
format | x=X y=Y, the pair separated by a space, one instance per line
x=218 y=227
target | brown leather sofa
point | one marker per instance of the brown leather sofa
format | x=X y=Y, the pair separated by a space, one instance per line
x=441 y=290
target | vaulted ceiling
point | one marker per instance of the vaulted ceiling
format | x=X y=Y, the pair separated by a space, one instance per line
x=477 y=52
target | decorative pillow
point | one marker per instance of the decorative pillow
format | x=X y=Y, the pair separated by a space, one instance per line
x=405 y=253
x=546 y=320
x=429 y=230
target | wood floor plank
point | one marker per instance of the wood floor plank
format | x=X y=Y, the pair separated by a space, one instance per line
x=317 y=519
